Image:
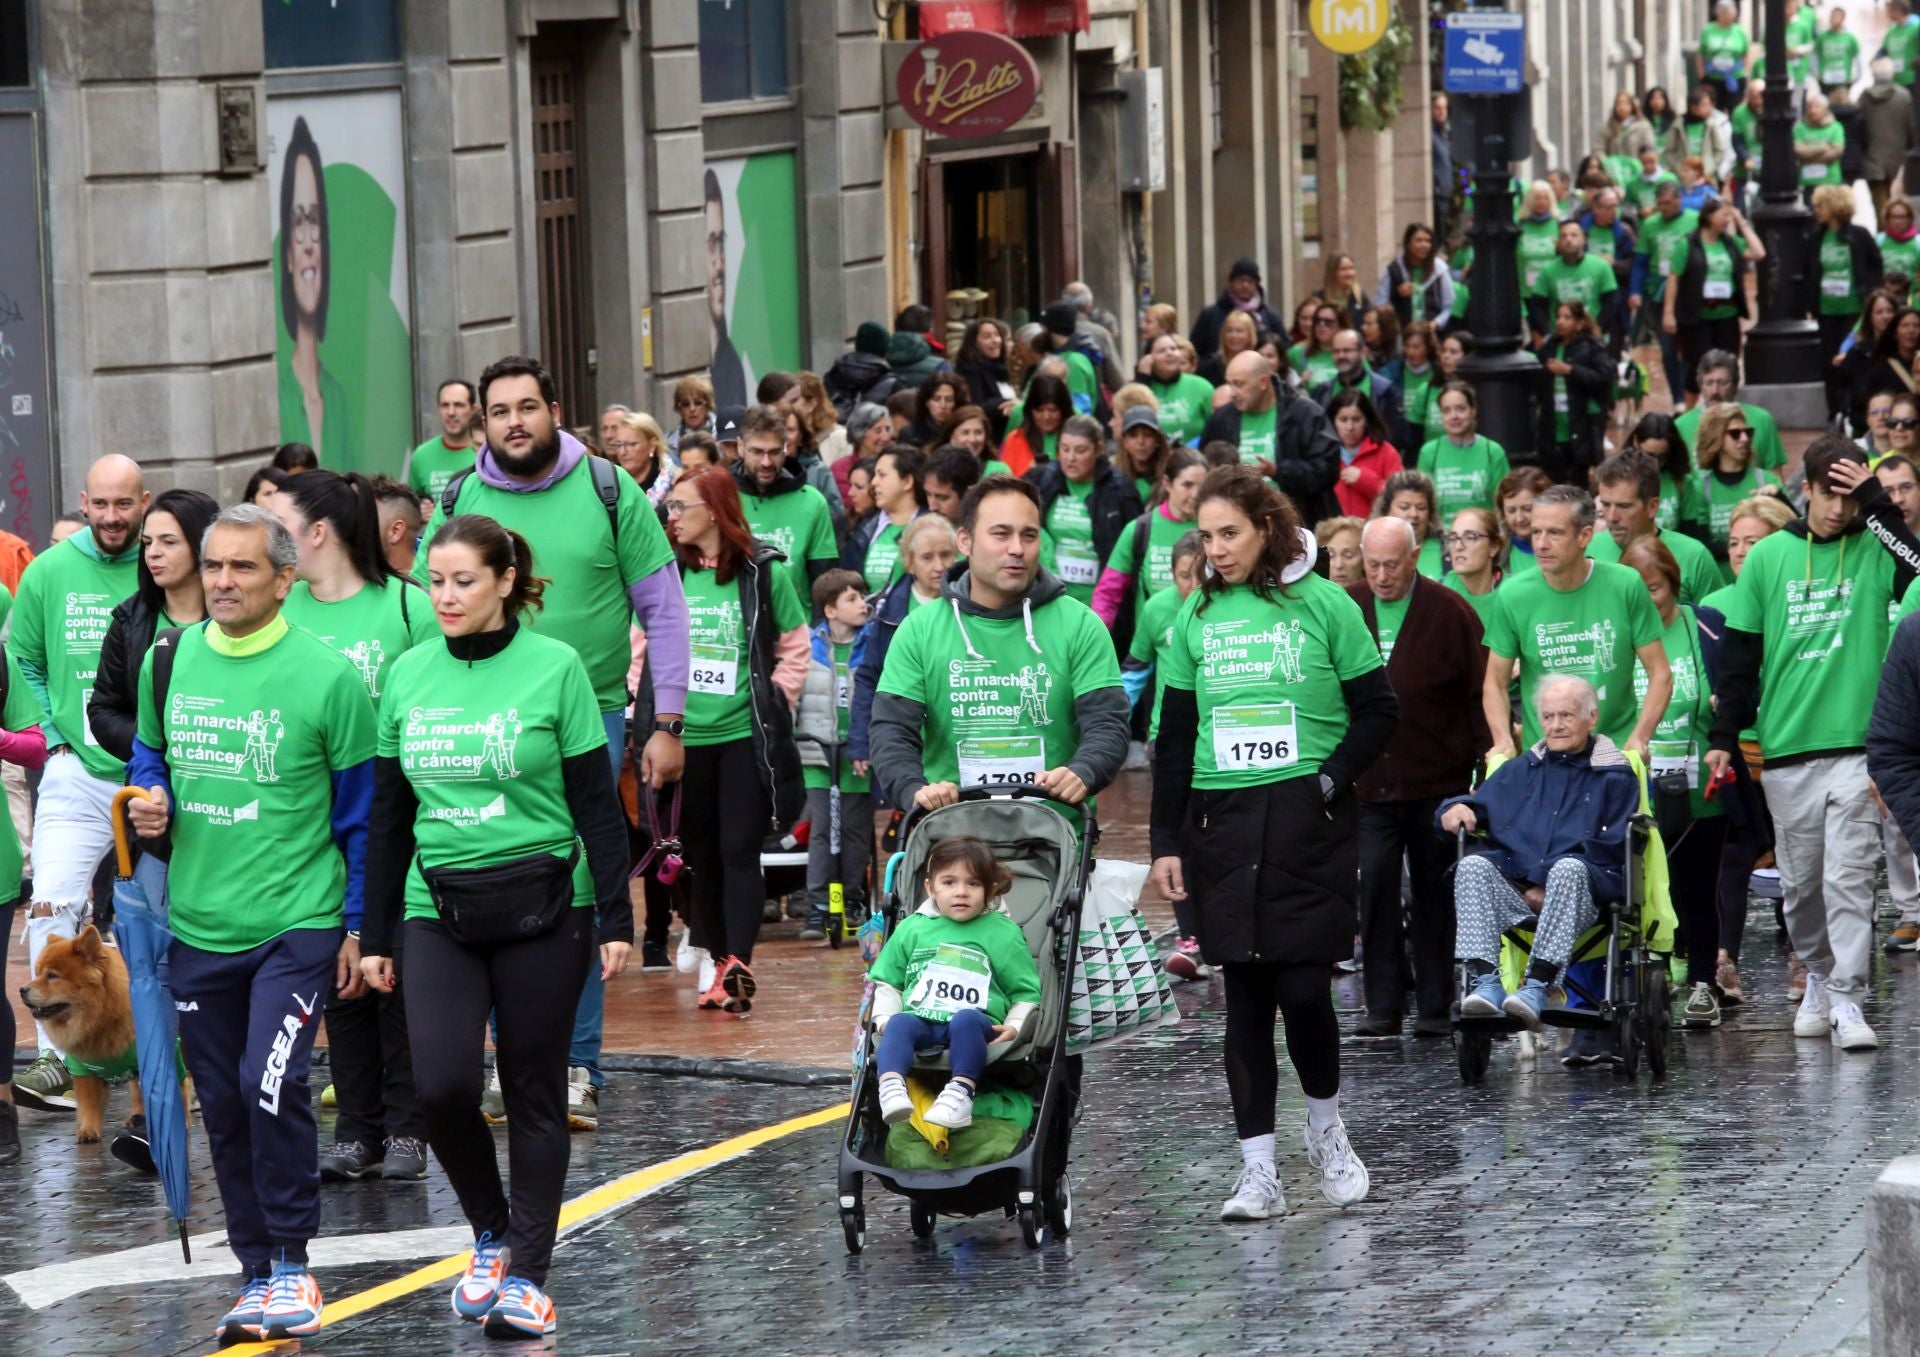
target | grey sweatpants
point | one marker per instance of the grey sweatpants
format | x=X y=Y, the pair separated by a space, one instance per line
x=1486 y=905
x=856 y=847
x=1827 y=838
x=1903 y=879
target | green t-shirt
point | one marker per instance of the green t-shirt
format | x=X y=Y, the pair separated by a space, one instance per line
x=882 y=565
x=1266 y=675
x=1417 y=392
x=719 y=682
x=1901 y=256
x=433 y=464
x=586 y=602
x=1821 y=610
x=999 y=700
x=1433 y=559
x=1768 y=451
x=22 y=710
x=1695 y=133
x=1152 y=635
x=1312 y=371
x=1464 y=477
x=1720 y=289
x=1186 y=403
x=481 y=745
x=1070 y=521
x=1642 y=191
x=1699 y=573
x=1388 y=617
x=1723 y=53
x=1082 y=382
x=1538 y=246
x=1816 y=172
x=1679 y=503
x=252 y=742
x=798 y=523
x=1802 y=29
x=1836 y=56
x=1720 y=498
x=1156 y=572
x=1588 y=282
x=1839 y=290
x=1663 y=241
x=1902 y=43
x=1592 y=631
x=1482 y=604
x=820 y=778
x=982 y=963
x=1679 y=743
x=1746 y=126
x=1258 y=438
x=370 y=627
x=65 y=605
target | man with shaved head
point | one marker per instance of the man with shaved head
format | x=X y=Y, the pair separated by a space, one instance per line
x=1281 y=432
x=67 y=597
x=1429 y=637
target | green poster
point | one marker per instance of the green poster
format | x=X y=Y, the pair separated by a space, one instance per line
x=753 y=263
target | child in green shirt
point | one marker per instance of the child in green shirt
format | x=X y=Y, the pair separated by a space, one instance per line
x=956 y=975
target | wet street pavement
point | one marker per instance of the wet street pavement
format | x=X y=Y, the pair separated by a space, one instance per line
x=1546 y=1211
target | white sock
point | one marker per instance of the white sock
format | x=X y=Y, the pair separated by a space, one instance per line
x=1257 y=1150
x=1323 y=1113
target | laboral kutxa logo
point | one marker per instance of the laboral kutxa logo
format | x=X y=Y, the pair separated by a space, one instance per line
x=968 y=84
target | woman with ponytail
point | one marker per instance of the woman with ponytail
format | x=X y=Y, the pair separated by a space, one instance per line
x=345 y=593
x=495 y=833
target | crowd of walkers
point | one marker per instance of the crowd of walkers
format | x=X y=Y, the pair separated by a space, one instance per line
x=1276 y=561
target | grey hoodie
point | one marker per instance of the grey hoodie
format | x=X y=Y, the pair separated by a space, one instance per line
x=896 y=731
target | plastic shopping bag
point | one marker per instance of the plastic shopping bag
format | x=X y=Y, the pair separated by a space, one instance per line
x=1118 y=987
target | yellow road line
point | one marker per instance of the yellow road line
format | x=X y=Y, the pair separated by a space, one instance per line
x=607 y=1197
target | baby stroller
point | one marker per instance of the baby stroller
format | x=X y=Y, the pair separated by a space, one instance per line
x=1050 y=866
x=1632 y=1001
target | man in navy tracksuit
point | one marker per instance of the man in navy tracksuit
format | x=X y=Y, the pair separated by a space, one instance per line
x=259 y=762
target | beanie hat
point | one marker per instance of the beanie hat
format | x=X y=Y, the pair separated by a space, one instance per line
x=871 y=338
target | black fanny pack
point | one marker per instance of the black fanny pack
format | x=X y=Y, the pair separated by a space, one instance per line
x=507 y=902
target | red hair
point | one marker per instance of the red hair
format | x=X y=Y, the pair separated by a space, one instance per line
x=722 y=498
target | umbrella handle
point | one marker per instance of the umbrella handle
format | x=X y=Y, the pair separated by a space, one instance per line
x=122 y=831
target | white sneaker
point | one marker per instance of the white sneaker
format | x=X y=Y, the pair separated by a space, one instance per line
x=1811 y=1020
x=687 y=957
x=1343 y=1178
x=704 y=960
x=895 y=1103
x=953 y=1109
x=1256 y=1195
x=1847 y=1027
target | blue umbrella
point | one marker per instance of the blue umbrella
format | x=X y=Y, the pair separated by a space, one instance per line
x=143 y=939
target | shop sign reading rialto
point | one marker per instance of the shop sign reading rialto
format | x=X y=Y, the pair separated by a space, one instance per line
x=968 y=84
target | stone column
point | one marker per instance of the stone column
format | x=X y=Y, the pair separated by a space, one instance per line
x=673 y=176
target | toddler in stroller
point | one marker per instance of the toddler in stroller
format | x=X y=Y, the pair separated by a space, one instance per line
x=956 y=974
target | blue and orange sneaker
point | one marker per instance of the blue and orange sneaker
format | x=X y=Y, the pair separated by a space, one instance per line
x=479 y=1285
x=523 y=1311
x=293 y=1303
x=242 y=1323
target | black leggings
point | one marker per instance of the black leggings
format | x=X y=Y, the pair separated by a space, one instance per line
x=724 y=819
x=1303 y=996
x=532 y=988
x=1694 y=865
x=7 y=1020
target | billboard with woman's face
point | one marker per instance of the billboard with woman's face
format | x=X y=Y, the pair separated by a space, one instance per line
x=342 y=348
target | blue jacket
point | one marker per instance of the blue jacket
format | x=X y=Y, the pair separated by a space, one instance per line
x=1542 y=806
x=870 y=657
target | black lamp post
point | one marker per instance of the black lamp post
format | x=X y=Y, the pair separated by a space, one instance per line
x=1505 y=373
x=1783 y=347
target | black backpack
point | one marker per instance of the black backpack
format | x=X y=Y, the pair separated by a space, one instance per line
x=606 y=484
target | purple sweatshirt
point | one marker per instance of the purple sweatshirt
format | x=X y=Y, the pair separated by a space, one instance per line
x=658 y=600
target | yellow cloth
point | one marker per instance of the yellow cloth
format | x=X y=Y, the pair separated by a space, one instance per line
x=923 y=1095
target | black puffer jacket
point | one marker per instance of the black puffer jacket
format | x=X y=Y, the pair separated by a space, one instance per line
x=1306 y=454
x=114 y=709
x=1590 y=381
x=856 y=377
x=1114 y=503
x=1893 y=732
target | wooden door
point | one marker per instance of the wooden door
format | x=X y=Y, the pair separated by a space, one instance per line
x=566 y=321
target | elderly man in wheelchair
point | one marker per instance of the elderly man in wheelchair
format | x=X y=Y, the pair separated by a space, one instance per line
x=1556 y=822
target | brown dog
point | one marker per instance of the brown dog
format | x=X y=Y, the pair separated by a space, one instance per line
x=79 y=994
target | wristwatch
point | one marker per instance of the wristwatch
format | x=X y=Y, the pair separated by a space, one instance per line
x=675 y=727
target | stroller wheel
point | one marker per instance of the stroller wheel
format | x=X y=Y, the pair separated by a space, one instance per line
x=922 y=1217
x=1626 y=1037
x=1476 y=1053
x=1030 y=1225
x=1656 y=1021
x=1059 y=1204
x=853 y=1223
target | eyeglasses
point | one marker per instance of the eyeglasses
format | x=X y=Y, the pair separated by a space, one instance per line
x=1742 y=434
x=629 y=443
x=1903 y=423
x=676 y=507
x=1326 y=320
x=695 y=404
x=1465 y=539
